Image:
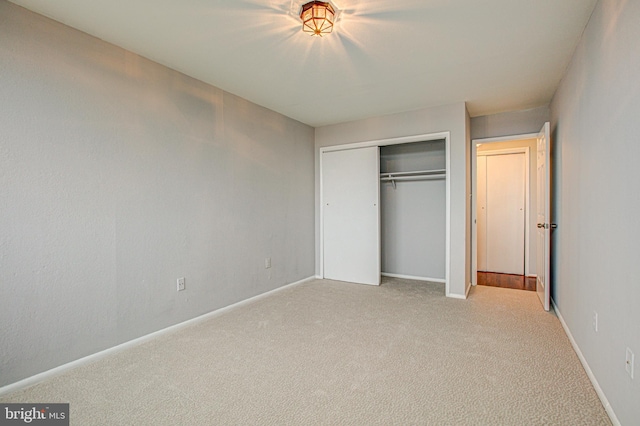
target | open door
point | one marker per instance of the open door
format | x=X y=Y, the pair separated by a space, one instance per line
x=350 y=215
x=543 y=237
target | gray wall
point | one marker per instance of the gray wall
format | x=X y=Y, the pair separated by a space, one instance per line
x=430 y=120
x=595 y=136
x=118 y=176
x=413 y=228
x=509 y=123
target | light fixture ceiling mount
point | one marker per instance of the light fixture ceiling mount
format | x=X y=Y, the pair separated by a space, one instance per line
x=317 y=18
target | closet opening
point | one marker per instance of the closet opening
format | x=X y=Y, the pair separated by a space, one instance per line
x=413 y=210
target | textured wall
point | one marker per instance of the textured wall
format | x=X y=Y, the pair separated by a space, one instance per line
x=118 y=176
x=595 y=134
x=450 y=118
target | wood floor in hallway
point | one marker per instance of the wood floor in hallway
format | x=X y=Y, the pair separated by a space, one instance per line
x=519 y=282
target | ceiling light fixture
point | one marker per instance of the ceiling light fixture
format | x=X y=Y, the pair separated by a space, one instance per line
x=317 y=18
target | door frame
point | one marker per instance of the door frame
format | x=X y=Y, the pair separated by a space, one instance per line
x=474 y=191
x=396 y=141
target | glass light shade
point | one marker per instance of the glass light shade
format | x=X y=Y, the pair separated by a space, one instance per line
x=317 y=18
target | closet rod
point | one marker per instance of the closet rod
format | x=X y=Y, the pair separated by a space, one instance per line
x=414 y=173
x=424 y=177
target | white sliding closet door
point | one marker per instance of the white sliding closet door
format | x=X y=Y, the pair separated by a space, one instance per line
x=351 y=216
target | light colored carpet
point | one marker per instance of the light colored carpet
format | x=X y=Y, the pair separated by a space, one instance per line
x=334 y=353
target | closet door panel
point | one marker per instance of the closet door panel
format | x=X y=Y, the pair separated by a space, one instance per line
x=351 y=219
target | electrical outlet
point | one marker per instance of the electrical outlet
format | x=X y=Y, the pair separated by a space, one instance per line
x=267 y=262
x=629 y=362
x=180 y=284
x=594 y=321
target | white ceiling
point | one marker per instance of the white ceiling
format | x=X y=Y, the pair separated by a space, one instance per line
x=384 y=56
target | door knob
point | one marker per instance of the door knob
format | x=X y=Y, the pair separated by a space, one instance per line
x=541 y=225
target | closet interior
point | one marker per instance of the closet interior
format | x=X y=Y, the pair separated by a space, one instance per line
x=413 y=210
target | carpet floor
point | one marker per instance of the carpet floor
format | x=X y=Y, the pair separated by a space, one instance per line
x=334 y=353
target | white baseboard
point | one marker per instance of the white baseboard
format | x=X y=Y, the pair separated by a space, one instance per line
x=411 y=277
x=457 y=296
x=30 y=381
x=587 y=369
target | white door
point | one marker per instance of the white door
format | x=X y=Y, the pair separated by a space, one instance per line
x=350 y=215
x=501 y=214
x=481 y=213
x=543 y=234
